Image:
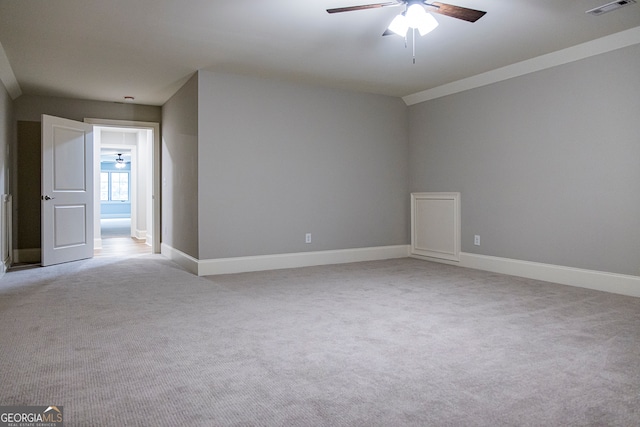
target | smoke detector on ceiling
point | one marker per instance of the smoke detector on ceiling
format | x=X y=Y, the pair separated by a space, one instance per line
x=609 y=7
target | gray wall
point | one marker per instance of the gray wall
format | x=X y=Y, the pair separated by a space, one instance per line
x=548 y=164
x=277 y=160
x=30 y=108
x=180 y=169
x=26 y=183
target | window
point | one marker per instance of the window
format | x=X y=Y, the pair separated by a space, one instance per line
x=120 y=186
x=114 y=186
x=104 y=186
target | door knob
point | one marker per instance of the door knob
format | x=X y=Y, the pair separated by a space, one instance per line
x=47 y=198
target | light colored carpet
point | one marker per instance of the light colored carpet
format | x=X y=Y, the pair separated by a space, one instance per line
x=140 y=342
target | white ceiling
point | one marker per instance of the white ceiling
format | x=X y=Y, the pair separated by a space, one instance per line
x=108 y=49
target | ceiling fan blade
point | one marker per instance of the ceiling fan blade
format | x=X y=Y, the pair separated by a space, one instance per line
x=466 y=14
x=364 y=6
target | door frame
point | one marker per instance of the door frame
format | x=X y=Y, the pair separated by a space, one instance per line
x=155 y=166
x=133 y=183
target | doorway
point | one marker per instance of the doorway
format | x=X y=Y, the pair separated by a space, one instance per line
x=126 y=181
x=118 y=193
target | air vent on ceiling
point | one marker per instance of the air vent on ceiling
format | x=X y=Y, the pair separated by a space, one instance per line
x=609 y=7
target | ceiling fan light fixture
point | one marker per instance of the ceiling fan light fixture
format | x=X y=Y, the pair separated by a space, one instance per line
x=120 y=162
x=415 y=15
x=427 y=24
x=419 y=19
x=399 y=25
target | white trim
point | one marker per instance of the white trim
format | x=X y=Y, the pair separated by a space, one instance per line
x=209 y=267
x=6 y=230
x=188 y=262
x=30 y=255
x=97 y=243
x=426 y=231
x=121 y=123
x=560 y=57
x=154 y=235
x=7 y=76
x=299 y=259
x=140 y=234
x=590 y=279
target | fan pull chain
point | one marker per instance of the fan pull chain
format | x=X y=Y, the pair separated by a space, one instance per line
x=414 y=45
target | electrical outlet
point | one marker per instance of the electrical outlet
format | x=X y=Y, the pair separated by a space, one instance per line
x=476 y=240
x=307 y=238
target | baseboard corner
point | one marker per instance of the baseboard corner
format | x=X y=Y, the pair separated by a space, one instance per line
x=188 y=262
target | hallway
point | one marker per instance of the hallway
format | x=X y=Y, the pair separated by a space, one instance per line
x=117 y=240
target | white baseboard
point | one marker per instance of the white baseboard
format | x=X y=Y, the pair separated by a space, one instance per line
x=31 y=255
x=4 y=266
x=210 y=267
x=140 y=234
x=590 y=279
x=180 y=258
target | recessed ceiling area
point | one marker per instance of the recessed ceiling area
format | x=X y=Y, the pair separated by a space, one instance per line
x=106 y=50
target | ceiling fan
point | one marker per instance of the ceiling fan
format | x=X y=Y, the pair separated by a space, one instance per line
x=466 y=14
x=415 y=16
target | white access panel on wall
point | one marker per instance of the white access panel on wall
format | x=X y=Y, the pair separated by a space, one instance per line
x=435 y=225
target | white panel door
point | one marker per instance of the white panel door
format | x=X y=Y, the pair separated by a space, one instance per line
x=67 y=190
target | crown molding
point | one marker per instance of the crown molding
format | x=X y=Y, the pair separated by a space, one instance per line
x=560 y=57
